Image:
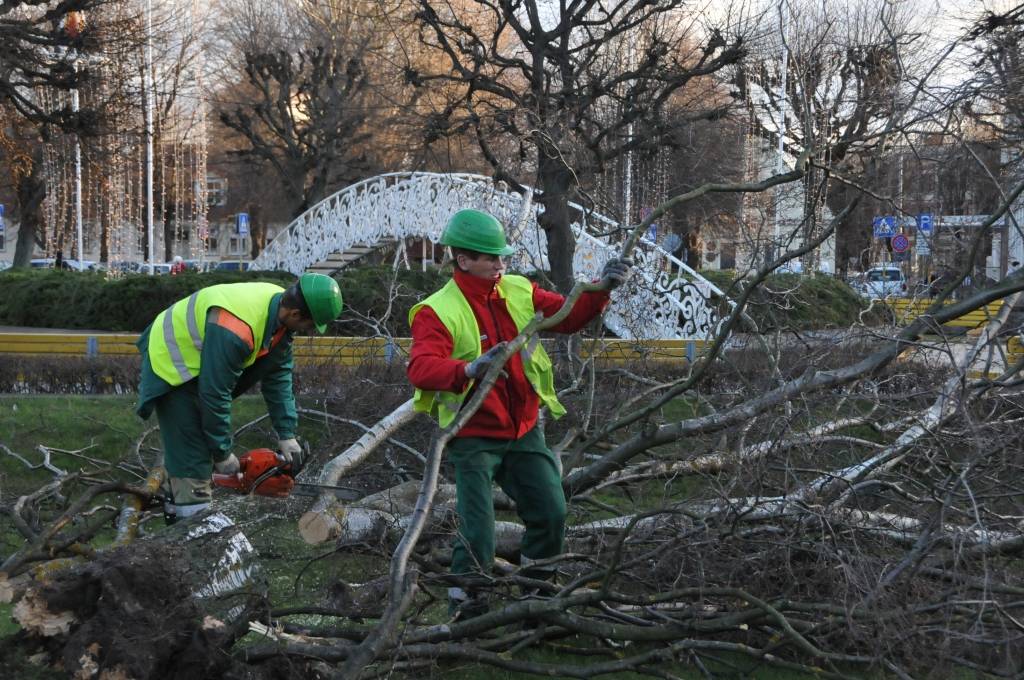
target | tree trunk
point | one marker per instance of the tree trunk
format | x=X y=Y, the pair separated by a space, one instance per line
x=555 y=182
x=257 y=230
x=31 y=190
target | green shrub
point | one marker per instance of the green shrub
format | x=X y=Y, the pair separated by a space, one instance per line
x=799 y=301
x=377 y=298
x=65 y=299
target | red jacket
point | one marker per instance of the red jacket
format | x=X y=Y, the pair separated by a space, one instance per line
x=510 y=409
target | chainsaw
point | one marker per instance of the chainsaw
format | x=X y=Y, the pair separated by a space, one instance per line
x=262 y=473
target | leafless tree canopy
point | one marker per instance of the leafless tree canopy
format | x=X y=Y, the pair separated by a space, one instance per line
x=541 y=86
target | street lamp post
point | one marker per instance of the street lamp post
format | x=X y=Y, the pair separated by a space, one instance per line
x=78 y=169
x=148 y=93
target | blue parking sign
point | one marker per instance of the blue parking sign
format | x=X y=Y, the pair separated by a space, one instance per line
x=1 y=218
x=884 y=226
x=924 y=223
x=242 y=224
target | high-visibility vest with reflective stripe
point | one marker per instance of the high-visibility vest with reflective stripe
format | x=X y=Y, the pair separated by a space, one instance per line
x=454 y=311
x=176 y=337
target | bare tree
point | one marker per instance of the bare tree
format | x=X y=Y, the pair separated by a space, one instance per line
x=555 y=82
x=307 y=96
x=50 y=50
x=839 y=78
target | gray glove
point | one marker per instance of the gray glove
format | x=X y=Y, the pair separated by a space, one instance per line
x=478 y=367
x=287 y=449
x=615 y=272
x=228 y=466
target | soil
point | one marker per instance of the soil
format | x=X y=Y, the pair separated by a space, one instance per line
x=136 y=618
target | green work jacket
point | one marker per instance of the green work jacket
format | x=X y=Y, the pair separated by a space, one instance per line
x=227 y=369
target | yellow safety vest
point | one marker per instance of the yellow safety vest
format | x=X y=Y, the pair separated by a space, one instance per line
x=454 y=311
x=176 y=335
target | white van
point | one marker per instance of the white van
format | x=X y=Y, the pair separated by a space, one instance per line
x=884 y=281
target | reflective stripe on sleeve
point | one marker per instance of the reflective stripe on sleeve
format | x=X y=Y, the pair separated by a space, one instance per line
x=193 y=327
x=173 y=350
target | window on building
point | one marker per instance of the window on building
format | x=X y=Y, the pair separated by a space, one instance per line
x=216 y=191
x=237 y=245
x=3 y=242
x=211 y=244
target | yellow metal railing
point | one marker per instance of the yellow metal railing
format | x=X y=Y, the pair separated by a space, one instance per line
x=346 y=351
x=906 y=310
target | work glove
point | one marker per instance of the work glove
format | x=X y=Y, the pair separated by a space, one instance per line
x=476 y=368
x=615 y=272
x=228 y=466
x=287 y=449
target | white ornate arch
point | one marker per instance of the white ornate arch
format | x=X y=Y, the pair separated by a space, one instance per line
x=664 y=299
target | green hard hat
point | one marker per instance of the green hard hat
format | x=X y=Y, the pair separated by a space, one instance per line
x=323 y=297
x=478 y=231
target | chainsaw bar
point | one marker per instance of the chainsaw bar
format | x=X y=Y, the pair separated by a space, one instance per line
x=344 y=493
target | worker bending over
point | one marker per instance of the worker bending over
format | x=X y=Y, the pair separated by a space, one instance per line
x=205 y=350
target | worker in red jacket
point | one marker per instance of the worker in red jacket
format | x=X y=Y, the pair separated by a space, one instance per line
x=456 y=334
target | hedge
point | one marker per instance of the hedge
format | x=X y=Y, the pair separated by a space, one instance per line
x=801 y=301
x=75 y=300
x=377 y=298
x=84 y=300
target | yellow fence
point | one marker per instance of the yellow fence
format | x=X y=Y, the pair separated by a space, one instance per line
x=1014 y=350
x=907 y=310
x=338 y=350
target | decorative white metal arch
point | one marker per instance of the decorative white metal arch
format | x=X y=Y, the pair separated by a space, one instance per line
x=664 y=299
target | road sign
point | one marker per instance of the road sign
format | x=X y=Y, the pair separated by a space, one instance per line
x=1 y=218
x=242 y=224
x=924 y=223
x=900 y=257
x=884 y=226
x=900 y=243
x=921 y=247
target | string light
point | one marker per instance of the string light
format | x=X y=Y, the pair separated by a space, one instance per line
x=113 y=190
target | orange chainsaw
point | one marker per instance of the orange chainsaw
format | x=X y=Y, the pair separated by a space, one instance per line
x=262 y=473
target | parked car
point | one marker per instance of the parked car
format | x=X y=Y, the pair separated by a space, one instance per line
x=42 y=263
x=84 y=266
x=883 y=282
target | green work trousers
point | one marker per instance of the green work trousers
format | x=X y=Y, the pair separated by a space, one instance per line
x=526 y=470
x=186 y=452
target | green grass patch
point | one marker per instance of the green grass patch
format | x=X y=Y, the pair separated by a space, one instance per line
x=567 y=653
x=91 y=432
x=7 y=625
